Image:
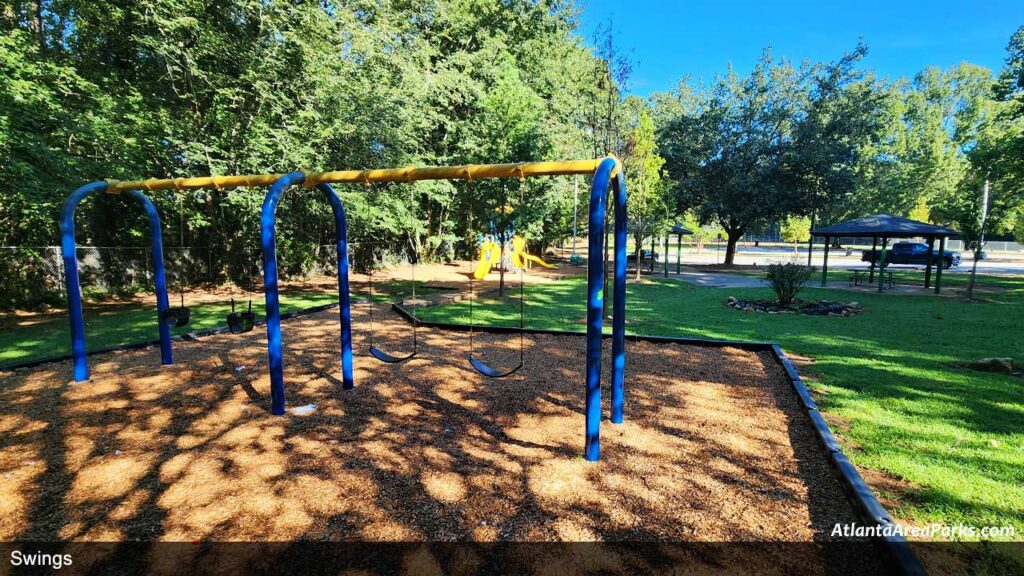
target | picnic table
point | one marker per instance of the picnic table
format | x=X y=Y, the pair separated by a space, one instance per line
x=860 y=277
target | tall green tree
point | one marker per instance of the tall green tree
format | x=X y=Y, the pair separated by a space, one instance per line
x=834 y=135
x=725 y=155
x=646 y=204
x=795 y=229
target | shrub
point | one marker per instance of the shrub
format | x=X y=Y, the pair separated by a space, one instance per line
x=787 y=280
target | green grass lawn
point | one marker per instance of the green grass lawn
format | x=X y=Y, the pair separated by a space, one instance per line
x=23 y=339
x=887 y=379
x=117 y=324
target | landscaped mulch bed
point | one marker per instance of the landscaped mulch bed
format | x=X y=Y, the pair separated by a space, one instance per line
x=714 y=448
x=812 y=308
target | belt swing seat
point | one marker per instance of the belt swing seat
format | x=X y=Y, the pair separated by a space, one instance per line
x=474 y=361
x=373 y=349
x=377 y=352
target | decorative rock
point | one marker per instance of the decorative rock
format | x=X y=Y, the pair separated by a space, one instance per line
x=999 y=365
x=819 y=308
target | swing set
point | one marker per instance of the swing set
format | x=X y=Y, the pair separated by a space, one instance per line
x=606 y=172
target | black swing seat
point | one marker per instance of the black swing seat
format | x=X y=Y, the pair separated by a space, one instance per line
x=177 y=317
x=388 y=358
x=489 y=372
x=241 y=322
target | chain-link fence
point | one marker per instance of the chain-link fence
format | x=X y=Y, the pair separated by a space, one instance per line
x=33 y=276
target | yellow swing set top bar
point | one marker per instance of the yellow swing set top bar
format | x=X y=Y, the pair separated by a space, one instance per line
x=409 y=174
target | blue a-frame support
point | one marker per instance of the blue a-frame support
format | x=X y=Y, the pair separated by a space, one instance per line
x=69 y=254
x=268 y=234
x=606 y=173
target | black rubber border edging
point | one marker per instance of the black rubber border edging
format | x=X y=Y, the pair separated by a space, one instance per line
x=902 y=559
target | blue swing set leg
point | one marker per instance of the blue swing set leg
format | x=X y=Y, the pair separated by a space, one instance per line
x=604 y=176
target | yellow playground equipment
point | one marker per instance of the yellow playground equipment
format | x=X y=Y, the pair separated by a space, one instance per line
x=515 y=257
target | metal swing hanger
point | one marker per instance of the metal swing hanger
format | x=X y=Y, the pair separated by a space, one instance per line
x=373 y=349
x=474 y=361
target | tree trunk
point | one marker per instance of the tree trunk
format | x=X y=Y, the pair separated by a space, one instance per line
x=730 y=249
x=639 y=252
x=974 y=270
x=36 y=25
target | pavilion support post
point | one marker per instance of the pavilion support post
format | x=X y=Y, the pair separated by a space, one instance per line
x=665 y=263
x=824 y=265
x=928 y=265
x=881 y=266
x=654 y=250
x=938 y=269
x=679 y=252
x=871 y=263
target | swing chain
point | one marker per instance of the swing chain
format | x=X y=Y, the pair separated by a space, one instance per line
x=505 y=241
x=415 y=263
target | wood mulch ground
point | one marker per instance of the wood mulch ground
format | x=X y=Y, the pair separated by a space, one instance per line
x=714 y=447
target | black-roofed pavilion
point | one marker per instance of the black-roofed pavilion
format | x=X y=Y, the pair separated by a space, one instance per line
x=679 y=231
x=884 y=227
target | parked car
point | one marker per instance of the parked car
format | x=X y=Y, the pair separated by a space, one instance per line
x=912 y=253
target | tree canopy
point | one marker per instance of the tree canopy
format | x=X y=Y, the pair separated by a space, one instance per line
x=162 y=88
x=832 y=141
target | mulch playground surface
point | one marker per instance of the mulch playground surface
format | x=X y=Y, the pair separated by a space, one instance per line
x=714 y=447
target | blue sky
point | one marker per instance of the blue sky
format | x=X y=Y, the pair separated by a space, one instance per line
x=668 y=39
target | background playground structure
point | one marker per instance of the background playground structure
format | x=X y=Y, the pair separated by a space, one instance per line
x=513 y=255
